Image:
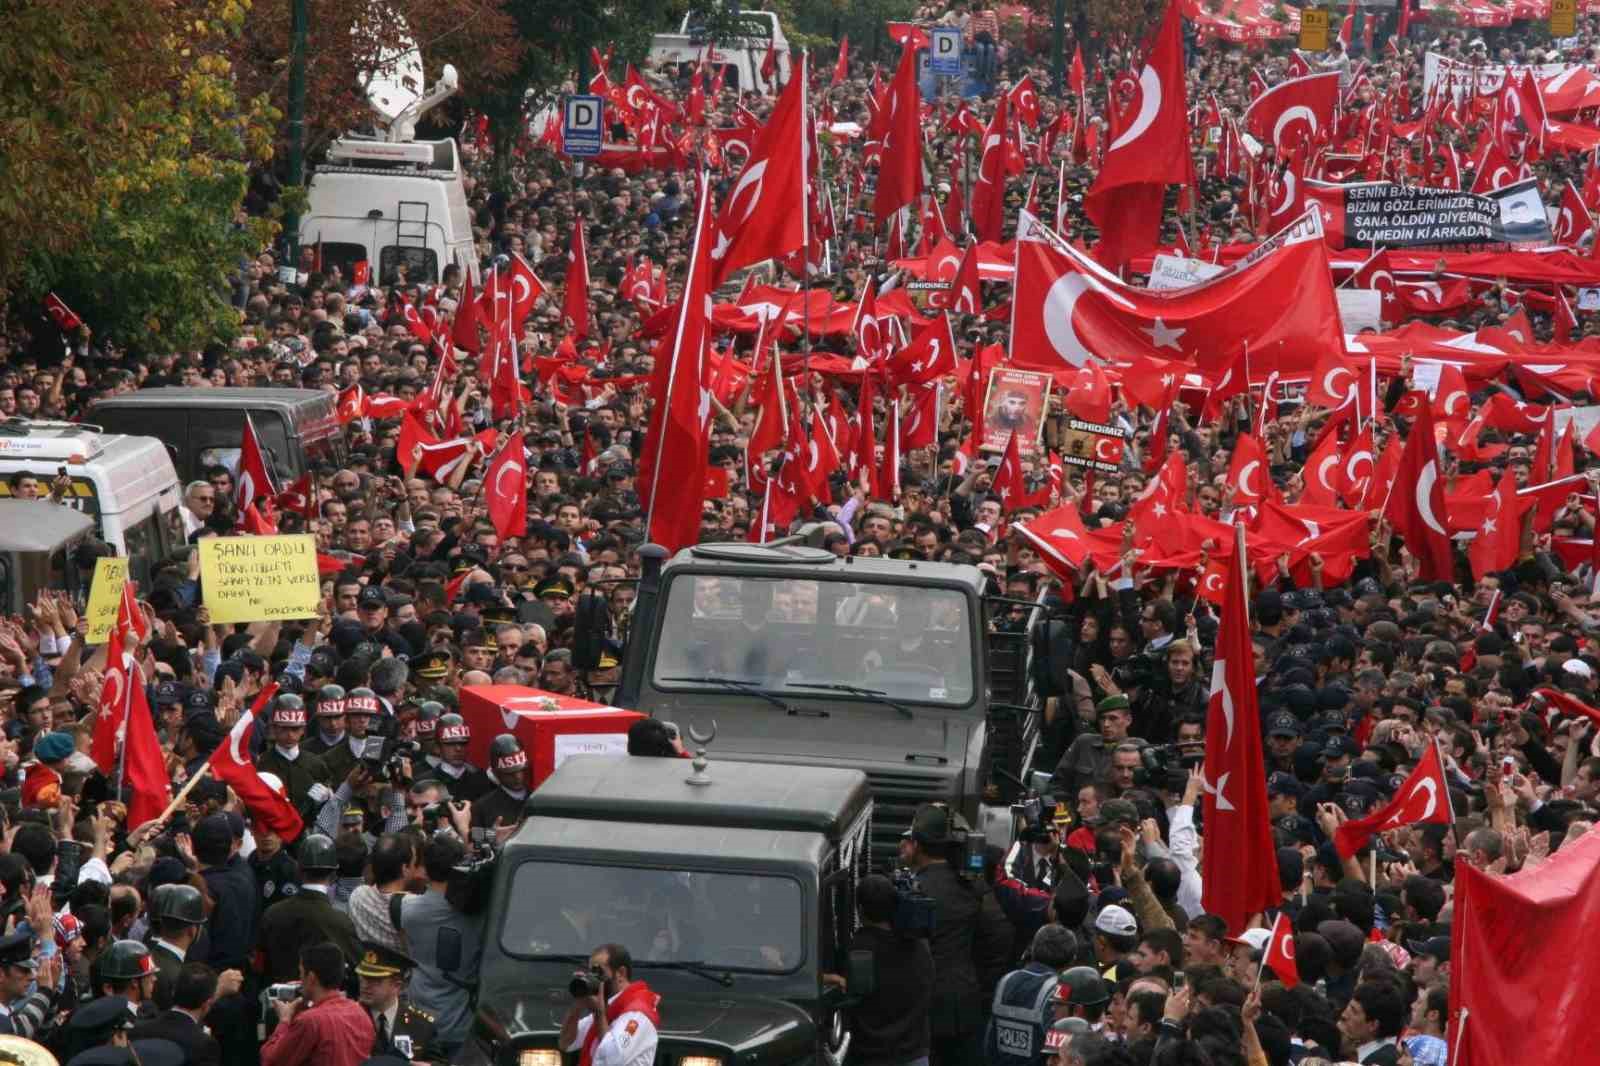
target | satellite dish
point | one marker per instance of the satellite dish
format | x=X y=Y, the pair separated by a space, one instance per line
x=397 y=81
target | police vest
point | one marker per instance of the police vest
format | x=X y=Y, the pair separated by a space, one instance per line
x=1017 y=1023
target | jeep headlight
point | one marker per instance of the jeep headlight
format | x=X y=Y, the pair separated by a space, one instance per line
x=539 y=1056
x=699 y=1060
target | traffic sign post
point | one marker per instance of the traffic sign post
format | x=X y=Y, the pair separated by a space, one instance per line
x=944 y=51
x=1563 y=18
x=582 y=125
x=1314 y=29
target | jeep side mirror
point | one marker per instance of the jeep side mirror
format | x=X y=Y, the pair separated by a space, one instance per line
x=861 y=974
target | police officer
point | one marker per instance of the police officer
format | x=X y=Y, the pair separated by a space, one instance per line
x=99 y=1023
x=307 y=917
x=957 y=1012
x=304 y=775
x=400 y=1026
x=1017 y=1019
x=178 y=912
x=277 y=874
x=126 y=969
x=509 y=765
x=22 y=1014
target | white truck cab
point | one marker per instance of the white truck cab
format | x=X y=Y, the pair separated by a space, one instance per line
x=127 y=485
x=387 y=199
x=744 y=53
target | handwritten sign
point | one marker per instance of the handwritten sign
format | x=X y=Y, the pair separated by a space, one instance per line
x=260 y=579
x=105 y=593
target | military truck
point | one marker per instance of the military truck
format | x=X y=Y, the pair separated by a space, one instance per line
x=733 y=889
x=798 y=656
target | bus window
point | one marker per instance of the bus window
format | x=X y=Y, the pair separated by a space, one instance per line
x=422 y=264
x=144 y=548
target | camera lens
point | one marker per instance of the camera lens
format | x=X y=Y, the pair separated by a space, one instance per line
x=583 y=985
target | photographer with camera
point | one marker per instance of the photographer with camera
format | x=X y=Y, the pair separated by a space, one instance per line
x=322 y=1025
x=890 y=1026
x=613 y=1018
x=308 y=916
x=957 y=1018
x=445 y=940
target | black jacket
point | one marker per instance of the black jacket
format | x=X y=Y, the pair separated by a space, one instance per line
x=307 y=917
x=200 y=1048
x=234 y=918
x=957 y=997
x=891 y=1026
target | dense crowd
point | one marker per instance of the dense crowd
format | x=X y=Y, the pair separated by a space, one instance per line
x=1086 y=943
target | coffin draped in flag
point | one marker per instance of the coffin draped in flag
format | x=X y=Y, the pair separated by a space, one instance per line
x=1068 y=309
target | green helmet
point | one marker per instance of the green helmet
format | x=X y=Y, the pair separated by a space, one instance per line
x=180 y=903
x=126 y=960
x=1083 y=987
x=317 y=853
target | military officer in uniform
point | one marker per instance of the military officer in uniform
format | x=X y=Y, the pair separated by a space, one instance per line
x=402 y=1028
x=465 y=781
x=508 y=763
x=330 y=722
x=126 y=969
x=304 y=775
x=178 y=912
x=307 y=917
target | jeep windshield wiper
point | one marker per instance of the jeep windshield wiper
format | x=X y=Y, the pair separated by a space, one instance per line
x=699 y=969
x=876 y=695
x=752 y=687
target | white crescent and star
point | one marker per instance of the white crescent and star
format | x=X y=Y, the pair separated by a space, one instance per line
x=1425 y=483
x=1149 y=107
x=1332 y=459
x=1243 y=484
x=1328 y=387
x=1288 y=193
x=1290 y=114
x=502 y=472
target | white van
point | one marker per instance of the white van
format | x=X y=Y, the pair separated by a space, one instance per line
x=387 y=199
x=743 y=54
x=128 y=485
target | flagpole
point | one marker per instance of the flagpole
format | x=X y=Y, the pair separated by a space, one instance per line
x=807 y=132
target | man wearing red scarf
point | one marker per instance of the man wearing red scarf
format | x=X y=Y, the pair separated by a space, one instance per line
x=617 y=1027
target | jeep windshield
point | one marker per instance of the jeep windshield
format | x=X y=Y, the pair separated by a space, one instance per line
x=717 y=921
x=909 y=644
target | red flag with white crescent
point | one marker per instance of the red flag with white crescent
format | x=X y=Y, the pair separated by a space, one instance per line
x=505 y=485
x=254 y=479
x=1279 y=953
x=1424 y=797
x=231 y=764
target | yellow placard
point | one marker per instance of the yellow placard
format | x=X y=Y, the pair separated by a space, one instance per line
x=260 y=579
x=1563 y=18
x=1313 y=29
x=105 y=594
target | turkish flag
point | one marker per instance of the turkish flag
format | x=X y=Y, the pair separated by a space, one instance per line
x=1233 y=381
x=231 y=765
x=1425 y=797
x=1008 y=483
x=1068 y=309
x=1450 y=397
x=930 y=355
x=144 y=767
x=1572 y=220
x=1322 y=472
x=866 y=327
x=988 y=209
x=130 y=628
x=1495 y=170
x=505 y=485
x=1514 y=416
x=64 y=317
x=900 y=169
x=1335 y=382
x=408 y=445
x=718 y=481
x=1356 y=473
x=1248 y=479
x=764 y=215
x=964 y=295
x=1294 y=112
x=1239 y=865
x=1499 y=537
x=419 y=329
x=352 y=404
x=575 y=299
x=919 y=428
x=1279 y=953
x=1089 y=395
x=841 y=66
x=1148 y=154
x=1416 y=510
x=253 y=480
x=1060 y=537
x=675 y=440
x=523 y=287
x=440 y=458
x=1025 y=101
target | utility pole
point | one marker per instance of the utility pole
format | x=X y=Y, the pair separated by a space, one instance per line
x=297 y=122
x=1058 y=50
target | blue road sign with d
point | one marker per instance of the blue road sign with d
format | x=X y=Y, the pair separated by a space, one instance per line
x=944 y=45
x=582 y=127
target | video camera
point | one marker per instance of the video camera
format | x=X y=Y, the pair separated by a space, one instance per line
x=1166 y=766
x=386 y=764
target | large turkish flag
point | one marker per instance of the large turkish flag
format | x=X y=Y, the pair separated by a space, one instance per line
x=1068 y=308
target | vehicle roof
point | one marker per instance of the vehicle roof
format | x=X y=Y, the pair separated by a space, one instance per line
x=169 y=395
x=62 y=442
x=618 y=788
x=818 y=562
x=126 y=470
x=34 y=525
x=573 y=839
